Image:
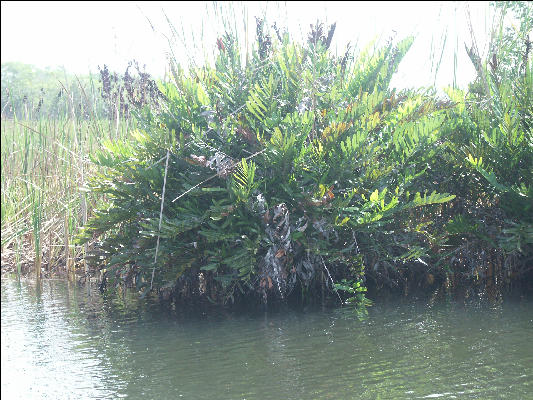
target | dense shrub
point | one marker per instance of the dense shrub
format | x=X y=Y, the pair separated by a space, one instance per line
x=489 y=166
x=273 y=175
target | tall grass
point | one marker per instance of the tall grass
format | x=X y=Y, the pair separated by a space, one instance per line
x=44 y=166
x=46 y=142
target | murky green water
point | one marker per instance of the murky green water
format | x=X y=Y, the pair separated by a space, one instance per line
x=60 y=343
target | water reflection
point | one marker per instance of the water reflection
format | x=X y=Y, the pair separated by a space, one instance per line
x=60 y=342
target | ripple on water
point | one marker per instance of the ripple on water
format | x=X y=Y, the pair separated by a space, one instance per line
x=57 y=342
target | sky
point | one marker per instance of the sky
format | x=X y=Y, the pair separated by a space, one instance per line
x=80 y=36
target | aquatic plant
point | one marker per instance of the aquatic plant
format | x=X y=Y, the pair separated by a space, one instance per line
x=489 y=163
x=287 y=168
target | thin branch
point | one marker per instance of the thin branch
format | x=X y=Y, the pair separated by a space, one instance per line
x=215 y=175
x=330 y=278
x=160 y=218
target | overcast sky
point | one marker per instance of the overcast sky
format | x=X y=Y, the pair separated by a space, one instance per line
x=82 y=35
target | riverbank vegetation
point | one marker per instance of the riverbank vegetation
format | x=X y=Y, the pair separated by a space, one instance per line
x=291 y=174
x=51 y=122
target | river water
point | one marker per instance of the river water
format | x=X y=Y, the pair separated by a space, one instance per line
x=60 y=341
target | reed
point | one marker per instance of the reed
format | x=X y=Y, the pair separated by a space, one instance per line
x=44 y=167
x=47 y=136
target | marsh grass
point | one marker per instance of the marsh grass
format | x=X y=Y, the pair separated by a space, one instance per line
x=44 y=167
